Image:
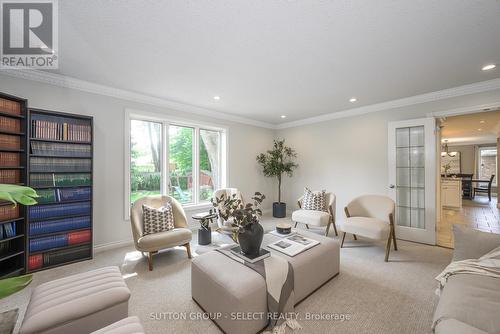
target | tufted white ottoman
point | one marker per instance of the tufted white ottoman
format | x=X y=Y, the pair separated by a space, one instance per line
x=77 y=304
x=229 y=291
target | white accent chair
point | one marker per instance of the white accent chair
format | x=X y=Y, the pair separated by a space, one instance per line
x=371 y=216
x=317 y=218
x=225 y=226
x=151 y=243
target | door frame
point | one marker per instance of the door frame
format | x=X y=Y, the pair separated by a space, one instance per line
x=427 y=235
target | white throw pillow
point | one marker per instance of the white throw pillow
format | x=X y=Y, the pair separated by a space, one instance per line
x=157 y=220
x=314 y=200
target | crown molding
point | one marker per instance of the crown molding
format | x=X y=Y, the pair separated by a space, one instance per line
x=90 y=87
x=474 y=88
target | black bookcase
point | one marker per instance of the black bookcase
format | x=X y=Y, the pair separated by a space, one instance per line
x=13 y=169
x=60 y=161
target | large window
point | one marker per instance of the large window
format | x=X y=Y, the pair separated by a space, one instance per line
x=185 y=161
x=487 y=163
x=145 y=159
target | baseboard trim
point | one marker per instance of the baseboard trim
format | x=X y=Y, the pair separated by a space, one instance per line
x=112 y=245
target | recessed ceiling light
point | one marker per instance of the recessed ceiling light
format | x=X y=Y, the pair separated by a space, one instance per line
x=481 y=121
x=283 y=116
x=353 y=99
x=217 y=97
x=479 y=129
x=489 y=67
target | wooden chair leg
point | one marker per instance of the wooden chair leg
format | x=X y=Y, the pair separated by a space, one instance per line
x=307 y=226
x=388 y=248
x=188 y=249
x=150 y=260
x=335 y=229
x=327 y=229
x=342 y=243
x=355 y=237
x=394 y=239
x=295 y=224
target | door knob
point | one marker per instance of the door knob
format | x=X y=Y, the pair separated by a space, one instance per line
x=391 y=186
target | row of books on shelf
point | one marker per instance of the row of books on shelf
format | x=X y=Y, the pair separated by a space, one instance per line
x=64 y=194
x=60 y=149
x=59 y=240
x=7 y=230
x=10 y=176
x=39 y=212
x=10 y=124
x=59 y=225
x=10 y=142
x=60 y=180
x=60 y=130
x=10 y=107
x=52 y=258
x=9 y=212
x=40 y=164
x=9 y=159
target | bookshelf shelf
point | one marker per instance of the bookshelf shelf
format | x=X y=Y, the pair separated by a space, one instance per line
x=52 y=187
x=11 y=272
x=60 y=248
x=15 y=150
x=53 y=138
x=11 y=220
x=6 y=114
x=13 y=169
x=62 y=141
x=9 y=167
x=57 y=265
x=60 y=217
x=12 y=133
x=12 y=238
x=57 y=233
x=57 y=156
x=66 y=202
x=10 y=255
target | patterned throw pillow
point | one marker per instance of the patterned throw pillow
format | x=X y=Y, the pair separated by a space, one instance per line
x=314 y=200
x=157 y=220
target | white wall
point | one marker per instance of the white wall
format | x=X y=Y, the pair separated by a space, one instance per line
x=245 y=142
x=348 y=156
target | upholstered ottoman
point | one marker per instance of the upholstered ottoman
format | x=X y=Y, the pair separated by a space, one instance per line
x=130 y=325
x=77 y=304
x=228 y=290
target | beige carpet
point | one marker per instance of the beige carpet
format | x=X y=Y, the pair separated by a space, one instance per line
x=395 y=297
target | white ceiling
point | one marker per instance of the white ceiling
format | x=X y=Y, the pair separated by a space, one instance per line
x=476 y=128
x=284 y=57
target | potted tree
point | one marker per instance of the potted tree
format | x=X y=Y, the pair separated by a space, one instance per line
x=275 y=163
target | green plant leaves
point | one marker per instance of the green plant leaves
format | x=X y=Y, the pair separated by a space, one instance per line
x=12 y=285
x=18 y=194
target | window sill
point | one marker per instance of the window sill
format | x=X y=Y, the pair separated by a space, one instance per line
x=196 y=207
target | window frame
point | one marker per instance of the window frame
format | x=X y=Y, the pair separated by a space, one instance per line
x=484 y=148
x=166 y=121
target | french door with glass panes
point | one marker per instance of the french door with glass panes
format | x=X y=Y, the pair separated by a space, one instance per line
x=412 y=178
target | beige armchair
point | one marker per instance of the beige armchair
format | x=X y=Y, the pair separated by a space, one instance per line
x=317 y=218
x=151 y=243
x=371 y=216
x=225 y=226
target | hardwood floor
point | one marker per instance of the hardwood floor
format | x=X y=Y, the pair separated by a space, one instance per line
x=479 y=214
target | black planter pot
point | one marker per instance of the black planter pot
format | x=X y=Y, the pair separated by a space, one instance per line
x=279 y=210
x=204 y=236
x=251 y=239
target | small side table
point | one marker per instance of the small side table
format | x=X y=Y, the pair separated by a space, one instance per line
x=205 y=232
